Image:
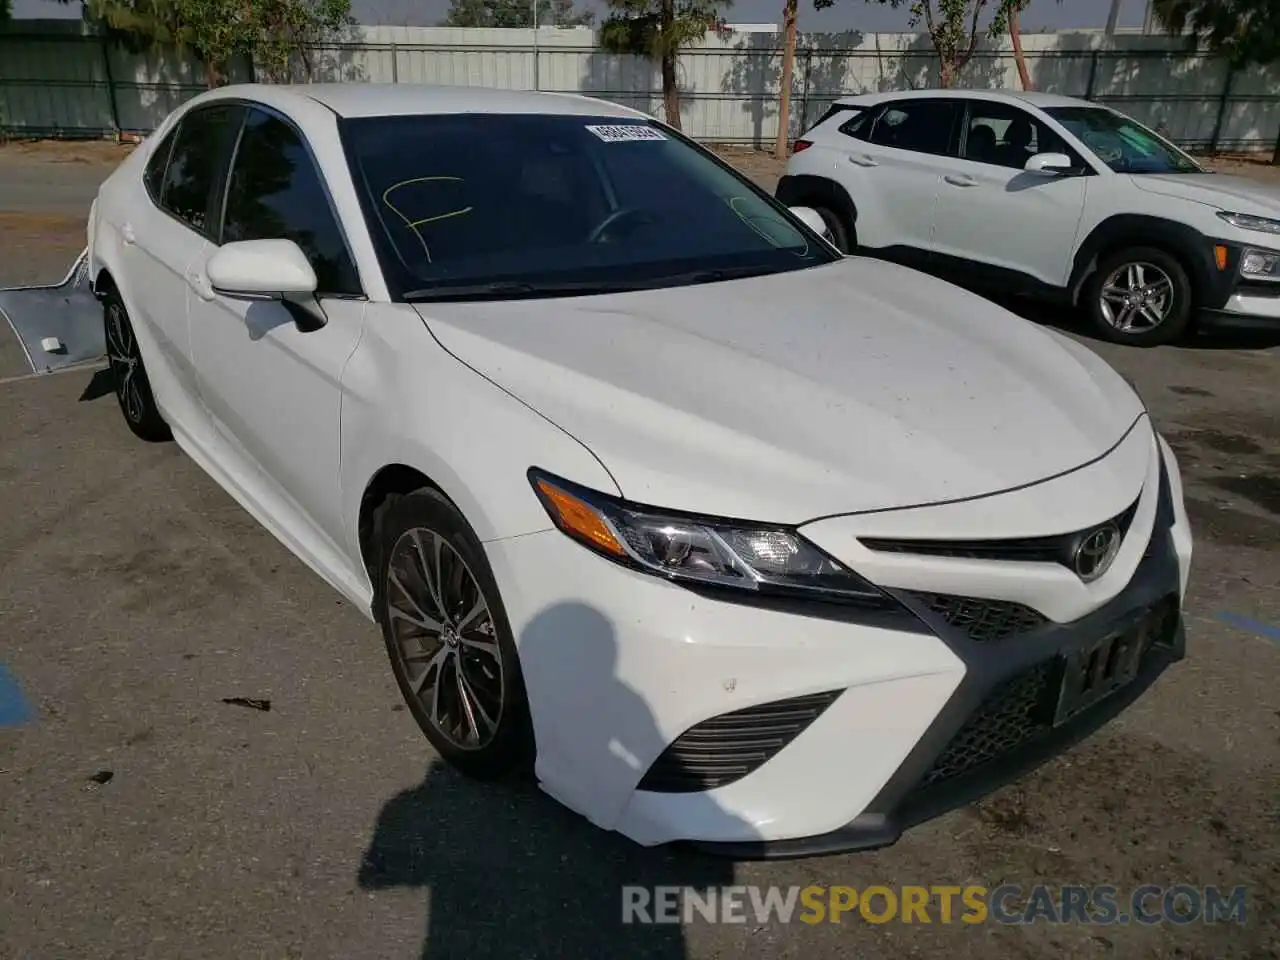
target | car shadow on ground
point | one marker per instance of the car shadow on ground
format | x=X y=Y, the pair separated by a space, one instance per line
x=508 y=872
x=1072 y=320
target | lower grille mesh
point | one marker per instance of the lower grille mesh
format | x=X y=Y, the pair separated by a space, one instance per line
x=728 y=747
x=1012 y=716
x=983 y=620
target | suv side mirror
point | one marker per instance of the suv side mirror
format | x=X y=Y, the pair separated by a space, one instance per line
x=1050 y=164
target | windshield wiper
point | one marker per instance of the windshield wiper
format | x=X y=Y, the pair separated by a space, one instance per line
x=515 y=290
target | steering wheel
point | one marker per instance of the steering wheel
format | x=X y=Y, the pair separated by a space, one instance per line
x=626 y=213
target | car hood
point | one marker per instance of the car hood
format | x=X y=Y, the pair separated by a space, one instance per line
x=1237 y=194
x=837 y=389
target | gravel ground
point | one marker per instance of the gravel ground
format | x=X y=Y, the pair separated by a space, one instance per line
x=135 y=596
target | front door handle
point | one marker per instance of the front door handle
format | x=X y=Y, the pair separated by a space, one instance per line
x=862 y=160
x=960 y=180
x=199 y=282
x=126 y=232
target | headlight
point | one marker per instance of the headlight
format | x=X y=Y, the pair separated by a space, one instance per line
x=723 y=553
x=1247 y=221
x=1260 y=264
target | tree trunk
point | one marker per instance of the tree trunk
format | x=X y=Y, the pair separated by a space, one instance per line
x=1015 y=34
x=788 y=69
x=1275 y=157
x=670 y=86
x=946 y=72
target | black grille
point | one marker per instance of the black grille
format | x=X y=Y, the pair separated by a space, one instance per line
x=1011 y=717
x=1055 y=549
x=727 y=748
x=981 y=620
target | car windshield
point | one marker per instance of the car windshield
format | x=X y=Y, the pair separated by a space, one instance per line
x=1124 y=145
x=469 y=206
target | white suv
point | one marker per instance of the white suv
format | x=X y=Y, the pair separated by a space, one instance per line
x=1048 y=196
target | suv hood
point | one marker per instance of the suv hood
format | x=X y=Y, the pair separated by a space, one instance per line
x=1237 y=194
x=837 y=389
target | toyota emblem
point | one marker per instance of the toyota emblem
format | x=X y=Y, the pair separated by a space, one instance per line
x=1096 y=552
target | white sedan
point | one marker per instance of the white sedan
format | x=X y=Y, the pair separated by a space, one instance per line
x=726 y=537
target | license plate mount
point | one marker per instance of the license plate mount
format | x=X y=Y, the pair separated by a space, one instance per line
x=1094 y=673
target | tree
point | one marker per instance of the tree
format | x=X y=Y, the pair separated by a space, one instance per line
x=4 y=10
x=789 y=13
x=659 y=30
x=1244 y=31
x=274 y=33
x=1015 y=37
x=516 y=13
x=954 y=26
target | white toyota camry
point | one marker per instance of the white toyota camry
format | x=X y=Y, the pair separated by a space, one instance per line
x=727 y=537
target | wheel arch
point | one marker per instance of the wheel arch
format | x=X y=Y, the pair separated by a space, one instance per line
x=804 y=189
x=1185 y=244
x=390 y=481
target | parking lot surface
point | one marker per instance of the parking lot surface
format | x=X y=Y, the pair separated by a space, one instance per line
x=145 y=816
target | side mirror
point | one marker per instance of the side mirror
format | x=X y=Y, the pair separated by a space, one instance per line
x=261 y=270
x=813 y=220
x=1051 y=164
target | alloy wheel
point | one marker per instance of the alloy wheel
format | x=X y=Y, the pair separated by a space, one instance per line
x=444 y=638
x=125 y=363
x=1136 y=297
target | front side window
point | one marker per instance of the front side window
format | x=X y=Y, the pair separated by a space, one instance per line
x=1124 y=145
x=153 y=175
x=194 y=163
x=922 y=126
x=275 y=193
x=1003 y=135
x=530 y=203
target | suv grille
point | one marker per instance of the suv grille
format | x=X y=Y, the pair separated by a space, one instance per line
x=728 y=747
x=983 y=621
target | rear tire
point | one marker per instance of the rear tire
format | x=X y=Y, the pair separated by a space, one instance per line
x=1140 y=296
x=132 y=387
x=451 y=648
x=842 y=231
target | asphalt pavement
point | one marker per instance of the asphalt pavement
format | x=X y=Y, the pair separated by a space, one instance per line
x=145 y=816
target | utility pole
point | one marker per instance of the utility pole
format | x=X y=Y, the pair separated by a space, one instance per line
x=535 y=45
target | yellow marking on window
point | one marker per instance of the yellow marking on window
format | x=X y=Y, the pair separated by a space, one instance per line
x=414 y=224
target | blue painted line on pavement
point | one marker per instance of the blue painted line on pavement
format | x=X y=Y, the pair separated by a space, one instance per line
x=1253 y=626
x=14 y=709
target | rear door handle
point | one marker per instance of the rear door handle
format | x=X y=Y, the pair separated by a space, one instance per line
x=127 y=233
x=960 y=180
x=862 y=160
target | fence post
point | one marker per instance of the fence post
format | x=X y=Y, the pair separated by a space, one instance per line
x=395 y=64
x=804 y=96
x=1093 y=74
x=111 y=84
x=1275 y=156
x=1222 y=109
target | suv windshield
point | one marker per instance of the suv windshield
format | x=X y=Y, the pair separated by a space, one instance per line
x=475 y=205
x=1124 y=145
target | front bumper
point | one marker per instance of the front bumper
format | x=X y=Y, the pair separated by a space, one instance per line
x=1236 y=301
x=774 y=731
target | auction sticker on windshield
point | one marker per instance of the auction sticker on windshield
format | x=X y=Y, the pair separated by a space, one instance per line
x=622 y=132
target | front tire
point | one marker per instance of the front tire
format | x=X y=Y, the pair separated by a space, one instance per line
x=842 y=232
x=132 y=386
x=1140 y=296
x=451 y=647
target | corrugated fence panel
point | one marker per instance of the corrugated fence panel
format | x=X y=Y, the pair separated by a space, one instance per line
x=58 y=78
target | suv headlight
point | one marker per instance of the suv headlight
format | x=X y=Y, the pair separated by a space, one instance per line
x=1260 y=264
x=693 y=549
x=1247 y=221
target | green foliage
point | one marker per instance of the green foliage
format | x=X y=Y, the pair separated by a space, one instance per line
x=516 y=14
x=274 y=33
x=1244 y=31
x=5 y=12
x=658 y=28
x=954 y=26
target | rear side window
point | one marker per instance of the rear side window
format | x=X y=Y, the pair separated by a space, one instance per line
x=194 y=164
x=922 y=126
x=275 y=193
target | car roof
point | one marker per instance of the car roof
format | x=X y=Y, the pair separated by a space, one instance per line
x=413 y=99
x=1028 y=97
